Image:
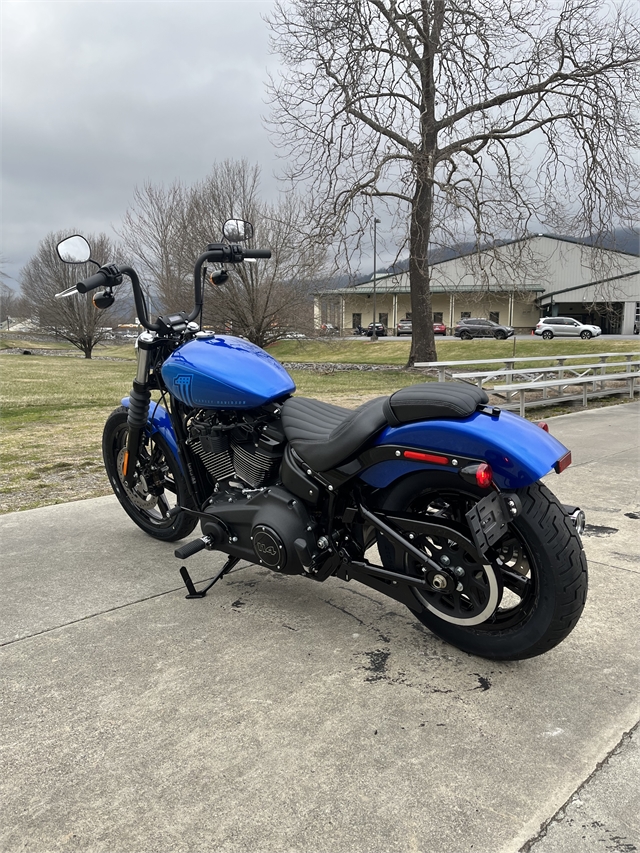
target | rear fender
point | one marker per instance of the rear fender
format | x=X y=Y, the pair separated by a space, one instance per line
x=519 y=452
x=159 y=421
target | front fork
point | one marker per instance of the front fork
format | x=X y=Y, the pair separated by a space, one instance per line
x=138 y=415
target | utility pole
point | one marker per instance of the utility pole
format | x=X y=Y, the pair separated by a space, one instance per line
x=374 y=336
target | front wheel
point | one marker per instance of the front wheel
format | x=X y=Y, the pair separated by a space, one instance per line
x=586 y=335
x=159 y=483
x=539 y=565
x=500 y=336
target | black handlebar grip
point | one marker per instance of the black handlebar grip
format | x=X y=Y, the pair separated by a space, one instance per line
x=98 y=280
x=257 y=253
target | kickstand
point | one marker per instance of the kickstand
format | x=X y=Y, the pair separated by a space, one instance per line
x=193 y=593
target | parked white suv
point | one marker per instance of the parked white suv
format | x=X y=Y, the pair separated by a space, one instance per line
x=563 y=327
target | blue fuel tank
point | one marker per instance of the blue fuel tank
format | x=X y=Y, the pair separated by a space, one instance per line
x=224 y=372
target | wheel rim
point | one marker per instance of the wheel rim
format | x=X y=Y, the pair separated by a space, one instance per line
x=465 y=336
x=469 y=588
x=547 y=335
x=510 y=560
x=153 y=478
x=585 y=336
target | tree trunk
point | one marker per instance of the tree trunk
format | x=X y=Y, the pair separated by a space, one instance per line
x=423 y=345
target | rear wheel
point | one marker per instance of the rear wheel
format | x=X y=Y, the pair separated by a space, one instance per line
x=547 y=334
x=539 y=566
x=466 y=336
x=159 y=484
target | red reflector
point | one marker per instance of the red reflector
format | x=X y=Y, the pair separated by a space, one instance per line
x=484 y=475
x=543 y=425
x=425 y=457
x=563 y=463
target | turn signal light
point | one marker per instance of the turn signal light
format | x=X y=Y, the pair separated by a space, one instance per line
x=484 y=475
x=479 y=475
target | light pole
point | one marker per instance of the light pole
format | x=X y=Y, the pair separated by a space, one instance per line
x=374 y=336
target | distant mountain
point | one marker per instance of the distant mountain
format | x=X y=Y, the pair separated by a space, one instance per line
x=621 y=239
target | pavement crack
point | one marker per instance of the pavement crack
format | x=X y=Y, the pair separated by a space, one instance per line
x=560 y=813
x=92 y=616
x=616 y=568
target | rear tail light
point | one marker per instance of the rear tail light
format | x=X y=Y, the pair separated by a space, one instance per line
x=543 y=425
x=425 y=457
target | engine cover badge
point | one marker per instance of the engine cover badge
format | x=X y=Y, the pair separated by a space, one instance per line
x=268 y=547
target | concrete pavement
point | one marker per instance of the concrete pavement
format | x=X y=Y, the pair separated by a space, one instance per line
x=282 y=715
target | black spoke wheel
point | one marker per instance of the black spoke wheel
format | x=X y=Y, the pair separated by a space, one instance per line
x=158 y=486
x=500 y=336
x=547 y=334
x=465 y=336
x=540 y=567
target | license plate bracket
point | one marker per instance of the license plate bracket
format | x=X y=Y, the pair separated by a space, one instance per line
x=487 y=521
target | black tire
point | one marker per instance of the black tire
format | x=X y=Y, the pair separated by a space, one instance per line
x=540 y=565
x=147 y=504
x=500 y=336
x=547 y=334
x=586 y=335
x=465 y=336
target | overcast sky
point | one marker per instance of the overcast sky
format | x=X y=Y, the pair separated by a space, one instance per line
x=101 y=95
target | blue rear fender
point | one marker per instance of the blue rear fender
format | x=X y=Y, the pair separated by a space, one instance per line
x=159 y=421
x=519 y=452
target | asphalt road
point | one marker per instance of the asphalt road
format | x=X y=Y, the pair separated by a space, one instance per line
x=278 y=714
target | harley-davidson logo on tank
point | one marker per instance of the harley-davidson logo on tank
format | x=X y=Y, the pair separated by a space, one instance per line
x=225 y=372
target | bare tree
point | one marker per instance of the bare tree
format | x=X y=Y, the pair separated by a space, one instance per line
x=154 y=236
x=166 y=230
x=480 y=117
x=73 y=318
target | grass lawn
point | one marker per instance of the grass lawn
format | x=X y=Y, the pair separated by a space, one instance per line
x=362 y=351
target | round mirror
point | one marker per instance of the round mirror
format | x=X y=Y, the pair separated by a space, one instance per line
x=237 y=230
x=74 y=250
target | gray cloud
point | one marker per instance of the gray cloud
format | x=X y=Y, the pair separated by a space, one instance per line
x=101 y=96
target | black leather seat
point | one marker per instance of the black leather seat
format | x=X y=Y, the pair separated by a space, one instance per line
x=434 y=400
x=325 y=435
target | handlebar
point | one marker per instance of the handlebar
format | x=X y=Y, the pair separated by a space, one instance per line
x=111 y=275
x=219 y=253
x=257 y=253
x=99 y=279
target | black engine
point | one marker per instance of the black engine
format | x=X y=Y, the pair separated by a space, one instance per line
x=270 y=527
x=247 y=447
x=253 y=516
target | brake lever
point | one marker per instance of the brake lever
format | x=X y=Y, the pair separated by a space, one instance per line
x=70 y=291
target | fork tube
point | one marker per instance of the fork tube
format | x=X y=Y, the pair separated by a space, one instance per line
x=138 y=409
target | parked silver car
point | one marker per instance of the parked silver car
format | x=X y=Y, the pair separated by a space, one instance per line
x=563 y=327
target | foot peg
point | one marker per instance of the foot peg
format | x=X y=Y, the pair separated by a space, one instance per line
x=192 y=548
x=186 y=577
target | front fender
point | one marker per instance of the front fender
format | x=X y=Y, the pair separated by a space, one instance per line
x=159 y=421
x=519 y=452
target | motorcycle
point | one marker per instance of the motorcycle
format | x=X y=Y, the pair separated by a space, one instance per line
x=445 y=486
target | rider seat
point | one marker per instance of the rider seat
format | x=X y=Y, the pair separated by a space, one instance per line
x=325 y=436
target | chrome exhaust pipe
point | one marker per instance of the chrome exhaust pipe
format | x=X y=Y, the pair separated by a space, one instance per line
x=577 y=516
